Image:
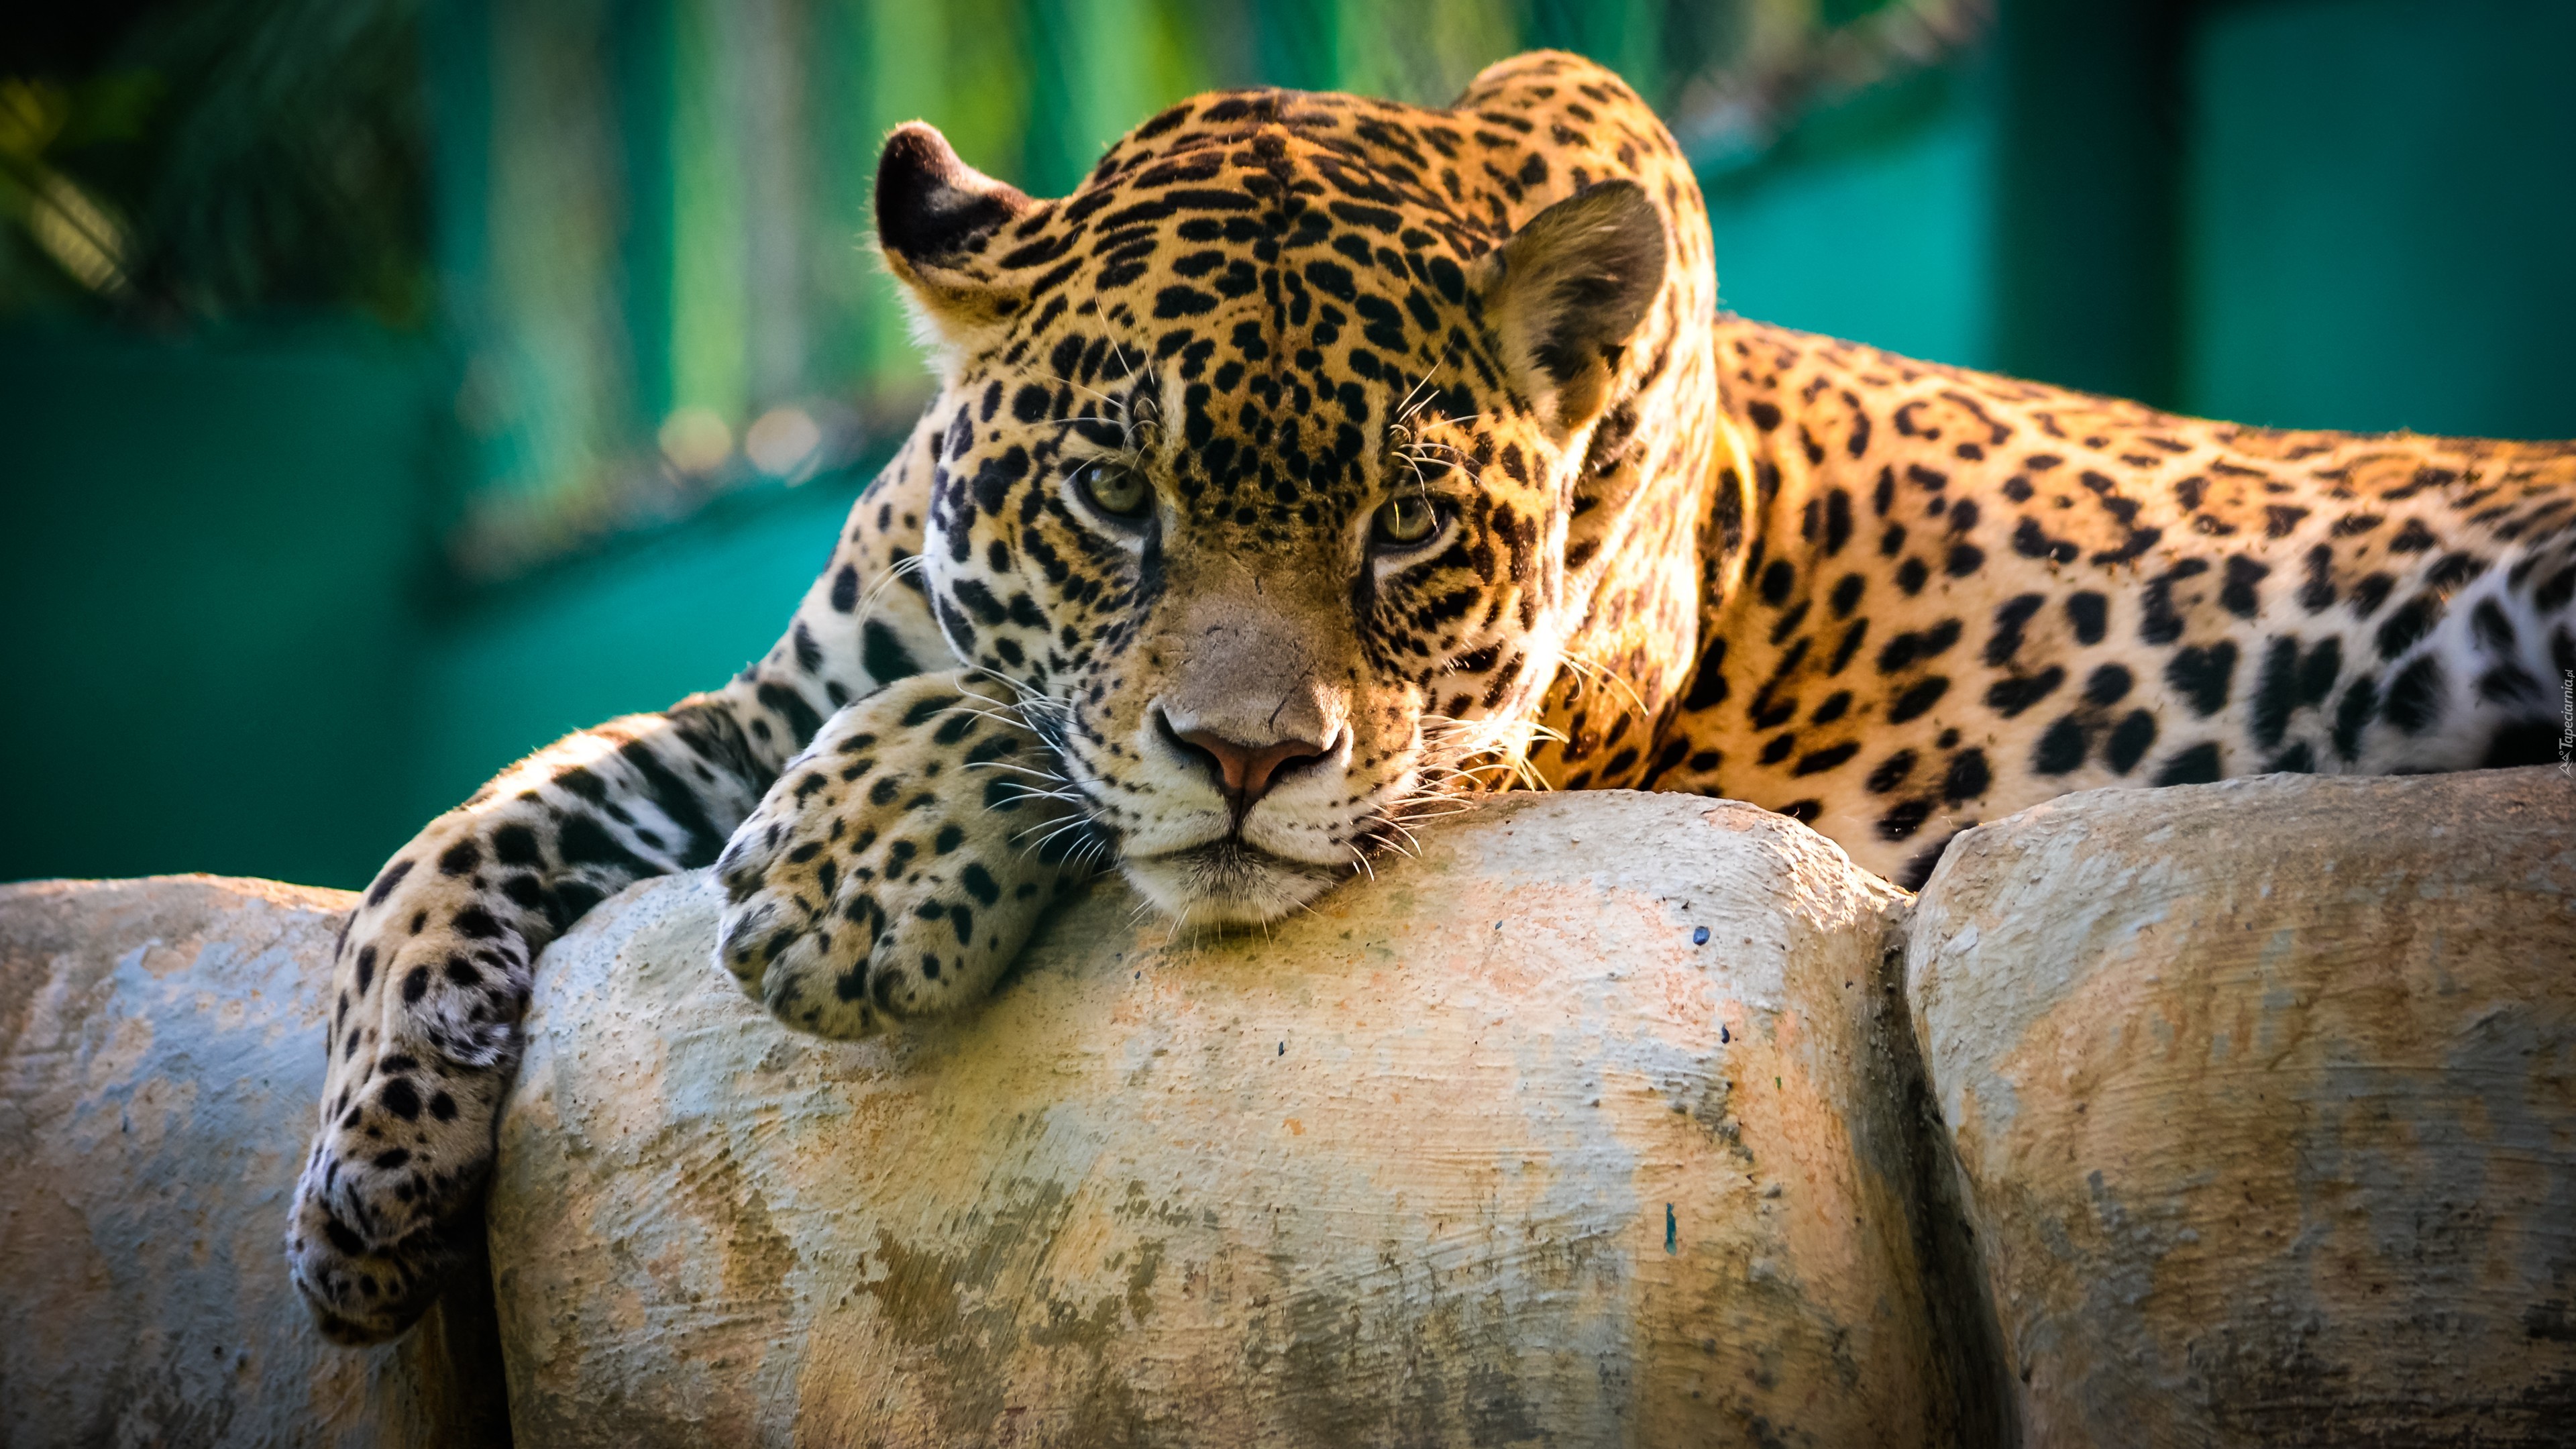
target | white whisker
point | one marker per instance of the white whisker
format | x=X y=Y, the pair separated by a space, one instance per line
x=1060 y=827
x=1018 y=768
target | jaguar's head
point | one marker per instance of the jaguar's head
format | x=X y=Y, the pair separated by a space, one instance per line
x=1255 y=458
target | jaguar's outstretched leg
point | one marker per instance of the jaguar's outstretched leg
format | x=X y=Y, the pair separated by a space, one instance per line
x=434 y=969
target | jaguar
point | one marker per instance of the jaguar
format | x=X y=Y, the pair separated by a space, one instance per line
x=1320 y=464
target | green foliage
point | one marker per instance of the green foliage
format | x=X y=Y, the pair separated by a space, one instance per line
x=228 y=157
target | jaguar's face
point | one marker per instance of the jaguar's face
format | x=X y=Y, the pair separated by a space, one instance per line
x=1259 y=497
x=1268 y=608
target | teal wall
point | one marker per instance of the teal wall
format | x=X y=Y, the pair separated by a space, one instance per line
x=1874 y=223
x=2380 y=216
x=226 y=644
x=211 y=564
x=633 y=631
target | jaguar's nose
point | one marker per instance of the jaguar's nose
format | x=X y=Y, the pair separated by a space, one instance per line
x=1246 y=772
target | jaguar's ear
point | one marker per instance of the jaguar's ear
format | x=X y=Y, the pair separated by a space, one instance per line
x=936 y=217
x=1568 y=290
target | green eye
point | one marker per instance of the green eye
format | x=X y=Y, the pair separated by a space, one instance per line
x=1407 y=521
x=1113 y=490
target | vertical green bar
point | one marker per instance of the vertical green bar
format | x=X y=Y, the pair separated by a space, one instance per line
x=710 y=364
x=1298 y=43
x=549 y=379
x=456 y=46
x=2087 y=233
x=1086 y=86
x=1625 y=35
x=841 y=139
x=645 y=83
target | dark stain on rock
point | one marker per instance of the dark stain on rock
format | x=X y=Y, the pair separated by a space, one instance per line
x=971 y=1314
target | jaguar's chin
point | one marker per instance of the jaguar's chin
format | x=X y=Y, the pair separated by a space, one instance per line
x=1228 y=883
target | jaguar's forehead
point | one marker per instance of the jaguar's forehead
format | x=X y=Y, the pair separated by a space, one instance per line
x=1288 y=162
x=1255 y=213
x=1287 y=276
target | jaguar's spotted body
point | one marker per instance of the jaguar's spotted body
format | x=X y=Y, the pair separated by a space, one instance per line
x=1970 y=594
x=1321 y=460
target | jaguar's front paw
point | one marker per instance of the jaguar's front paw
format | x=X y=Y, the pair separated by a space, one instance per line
x=429 y=981
x=391 y=1193
x=360 y=1292
x=897 y=866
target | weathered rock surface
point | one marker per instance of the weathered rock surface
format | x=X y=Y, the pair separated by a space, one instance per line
x=160 y=1057
x=1500 y=1149
x=2264 y=1094
x=2260 y=1099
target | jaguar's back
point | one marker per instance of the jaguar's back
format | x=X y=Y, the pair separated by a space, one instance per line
x=1968 y=594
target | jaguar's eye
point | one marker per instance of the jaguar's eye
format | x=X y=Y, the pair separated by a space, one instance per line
x=1113 y=490
x=1406 y=521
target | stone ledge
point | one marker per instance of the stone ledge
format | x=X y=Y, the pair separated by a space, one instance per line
x=2262 y=1101
x=160 y=1058
x=1576 y=1127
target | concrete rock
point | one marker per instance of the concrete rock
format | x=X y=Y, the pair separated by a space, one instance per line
x=2260 y=1101
x=160 y=1057
x=2264 y=1096
x=1499 y=1149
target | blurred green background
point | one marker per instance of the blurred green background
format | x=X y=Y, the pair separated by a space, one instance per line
x=387 y=388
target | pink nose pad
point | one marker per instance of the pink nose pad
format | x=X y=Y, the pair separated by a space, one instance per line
x=1249 y=770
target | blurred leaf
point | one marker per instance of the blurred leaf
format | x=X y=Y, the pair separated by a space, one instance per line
x=31 y=115
x=262 y=155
